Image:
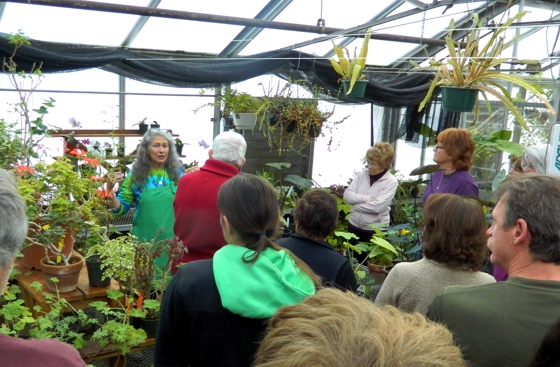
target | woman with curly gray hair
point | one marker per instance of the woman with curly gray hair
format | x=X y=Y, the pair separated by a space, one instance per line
x=150 y=188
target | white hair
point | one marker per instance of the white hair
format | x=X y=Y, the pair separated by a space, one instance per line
x=229 y=147
x=535 y=156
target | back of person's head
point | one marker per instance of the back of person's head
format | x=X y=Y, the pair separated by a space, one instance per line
x=229 y=147
x=13 y=221
x=336 y=329
x=250 y=205
x=535 y=198
x=548 y=354
x=534 y=159
x=455 y=231
x=316 y=214
x=459 y=144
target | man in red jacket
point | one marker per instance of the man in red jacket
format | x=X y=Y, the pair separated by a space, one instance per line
x=197 y=218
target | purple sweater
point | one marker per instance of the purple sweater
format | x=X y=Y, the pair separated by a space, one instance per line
x=458 y=182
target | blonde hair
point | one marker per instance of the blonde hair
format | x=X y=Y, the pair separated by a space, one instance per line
x=381 y=153
x=336 y=329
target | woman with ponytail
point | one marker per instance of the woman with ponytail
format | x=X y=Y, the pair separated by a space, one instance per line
x=215 y=311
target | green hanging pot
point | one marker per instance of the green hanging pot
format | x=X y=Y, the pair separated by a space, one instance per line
x=458 y=99
x=358 y=91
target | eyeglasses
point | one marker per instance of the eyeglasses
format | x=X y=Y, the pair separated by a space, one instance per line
x=439 y=147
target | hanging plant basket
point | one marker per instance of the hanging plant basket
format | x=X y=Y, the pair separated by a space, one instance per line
x=358 y=91
x=457 y=99
x=244 y=120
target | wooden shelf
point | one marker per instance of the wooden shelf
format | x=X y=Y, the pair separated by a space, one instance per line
x=95 y=133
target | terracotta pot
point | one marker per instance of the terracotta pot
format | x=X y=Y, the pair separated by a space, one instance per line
x=67 y=275
x=377 y=272
x=33 y=254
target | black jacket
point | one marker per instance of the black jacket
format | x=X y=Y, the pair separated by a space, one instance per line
x=195 y=330
x=332 y=267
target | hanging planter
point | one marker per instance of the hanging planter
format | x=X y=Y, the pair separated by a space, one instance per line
x=245 y=120
x=67 y=275
x=458 y=99
x=358 y=91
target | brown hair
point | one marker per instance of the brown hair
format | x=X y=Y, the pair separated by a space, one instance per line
x=515 y=163
x=336 y=329
x=251 y=207
x=459 y=144
x=381 y=153
x=455 y=231
x=316 y=214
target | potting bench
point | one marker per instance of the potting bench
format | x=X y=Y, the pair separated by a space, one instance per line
x=79 y=299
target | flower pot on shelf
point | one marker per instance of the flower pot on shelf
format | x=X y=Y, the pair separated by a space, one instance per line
x=149 y=326
x=244 y=120
x=358 y=91
x=179 y=148
x=457 y=99
x=33 y=254
x=95 y=273
x=142 y=129
x=67 y=275
x=120 y=151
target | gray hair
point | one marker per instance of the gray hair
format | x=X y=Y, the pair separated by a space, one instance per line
x=535 y=198
x=229 y=147
x=536 y=157
x=143 y=165
x=13 y=221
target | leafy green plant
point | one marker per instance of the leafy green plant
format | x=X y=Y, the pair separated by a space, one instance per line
x=32 y=128
x=117 y=256
x=474 y=66
x=287 y=196
x=351 y=68
x=17 y=317
x=57 y=322
x=117 y=330
x=59 y=202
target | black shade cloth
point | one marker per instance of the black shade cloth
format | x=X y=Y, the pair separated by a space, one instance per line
x=384 y=89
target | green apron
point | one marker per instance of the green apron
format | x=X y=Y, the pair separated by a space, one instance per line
x=156 y=212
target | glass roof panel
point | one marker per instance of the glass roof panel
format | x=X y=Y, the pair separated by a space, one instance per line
x=194 y=36
x=55 y=24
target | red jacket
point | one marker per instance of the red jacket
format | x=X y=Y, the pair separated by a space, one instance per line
x=197 y=218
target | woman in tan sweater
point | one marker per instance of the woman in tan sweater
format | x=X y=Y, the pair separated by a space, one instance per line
x=454 y=248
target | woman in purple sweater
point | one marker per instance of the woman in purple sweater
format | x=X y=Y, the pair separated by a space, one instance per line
x=453 y=153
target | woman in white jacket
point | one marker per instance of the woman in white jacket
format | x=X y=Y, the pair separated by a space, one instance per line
x=371 y=192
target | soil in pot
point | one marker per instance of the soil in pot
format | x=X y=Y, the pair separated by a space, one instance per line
x=95 y=273
x=67 y=275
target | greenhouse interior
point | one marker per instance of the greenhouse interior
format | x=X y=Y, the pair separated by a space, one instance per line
x=322 y=83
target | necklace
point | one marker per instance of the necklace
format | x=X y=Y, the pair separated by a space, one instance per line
x=439 y=184
x=441 y=179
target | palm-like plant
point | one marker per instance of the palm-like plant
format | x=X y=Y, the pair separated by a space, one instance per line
x=351 y=69
x=474 y=67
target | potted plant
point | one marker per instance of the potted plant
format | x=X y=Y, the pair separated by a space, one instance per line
x=351 y=69
x=59 y=201
x=291 y=122
x=117 y=257
x=142 y=126
x=154 y=125
x=242 y=106
x=120 y=149
x=117 y=330
x=472 y=68
x=108 y=149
